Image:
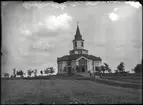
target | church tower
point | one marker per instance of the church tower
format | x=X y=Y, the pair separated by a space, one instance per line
x=78 y=43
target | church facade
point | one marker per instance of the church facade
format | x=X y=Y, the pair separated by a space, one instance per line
x=78 y=59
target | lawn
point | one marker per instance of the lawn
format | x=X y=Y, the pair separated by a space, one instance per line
x=60 y=91
x=128 y=78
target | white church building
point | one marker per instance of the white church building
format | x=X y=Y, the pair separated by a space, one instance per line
x=78 y=59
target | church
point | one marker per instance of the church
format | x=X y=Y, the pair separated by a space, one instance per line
x=78 y=59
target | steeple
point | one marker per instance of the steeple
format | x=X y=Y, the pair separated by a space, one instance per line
x=77 y=30
x=78 y=35
x=78 y=43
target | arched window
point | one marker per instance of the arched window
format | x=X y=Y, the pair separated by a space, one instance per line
x=65 y=69
x=82 y=44
x=75 y=44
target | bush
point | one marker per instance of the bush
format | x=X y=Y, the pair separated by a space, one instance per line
x=138 y=68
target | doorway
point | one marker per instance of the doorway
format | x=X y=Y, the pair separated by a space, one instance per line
x=83 y=69
x=83 y=65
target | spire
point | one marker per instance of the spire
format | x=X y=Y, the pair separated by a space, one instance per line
x=77 y=30
x=78 y=35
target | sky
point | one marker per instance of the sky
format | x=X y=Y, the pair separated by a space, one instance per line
x=34 y=34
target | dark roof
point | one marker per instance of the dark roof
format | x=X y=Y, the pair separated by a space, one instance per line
x=78 y=50
x=78 y=35
x=76 y=56
x=78 y=39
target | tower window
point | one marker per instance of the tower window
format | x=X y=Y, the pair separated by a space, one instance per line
x=82 y=44
x=75 y=44
x=80 y=52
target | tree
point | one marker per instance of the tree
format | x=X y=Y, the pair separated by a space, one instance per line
x=138 y=68
x=52 y=70
x=103 y=69
x=107 y=68
x=116 y=72
x=20 y=73
x=47 y=71
x=121 y=67
x=41 y=72
x=24 y=74
x=29 y=72
x=35 y=72
x=6 y=75
x=132 y=70
x=14 y=72
x=11 y=76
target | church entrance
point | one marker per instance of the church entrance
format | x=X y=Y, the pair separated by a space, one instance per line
x=83 y=65
x=83 y=69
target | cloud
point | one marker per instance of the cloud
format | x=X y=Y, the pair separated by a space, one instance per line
x=4 y=3
x=42 y=46
x=113 y=16
x=92 y=3
x=73 y=5
x=32 y=56
x=133 y=4
x=41 y=42
x=62 y=6
x=116 y=9
x=48 y=43
x=121 y=12
x=58 y=22
x=51 y=26
x=25 y=31
x=41 y=39
x=44 y=32
x=40 y=5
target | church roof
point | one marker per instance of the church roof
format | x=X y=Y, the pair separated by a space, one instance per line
x=76 y=56
x=78 y=50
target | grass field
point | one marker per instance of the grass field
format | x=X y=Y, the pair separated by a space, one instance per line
x=128 y=81
x=131 y=79
x=66 y=90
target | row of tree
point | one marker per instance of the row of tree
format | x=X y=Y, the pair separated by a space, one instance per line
x=120 y=68
x=102 y=69
x=29 y=72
